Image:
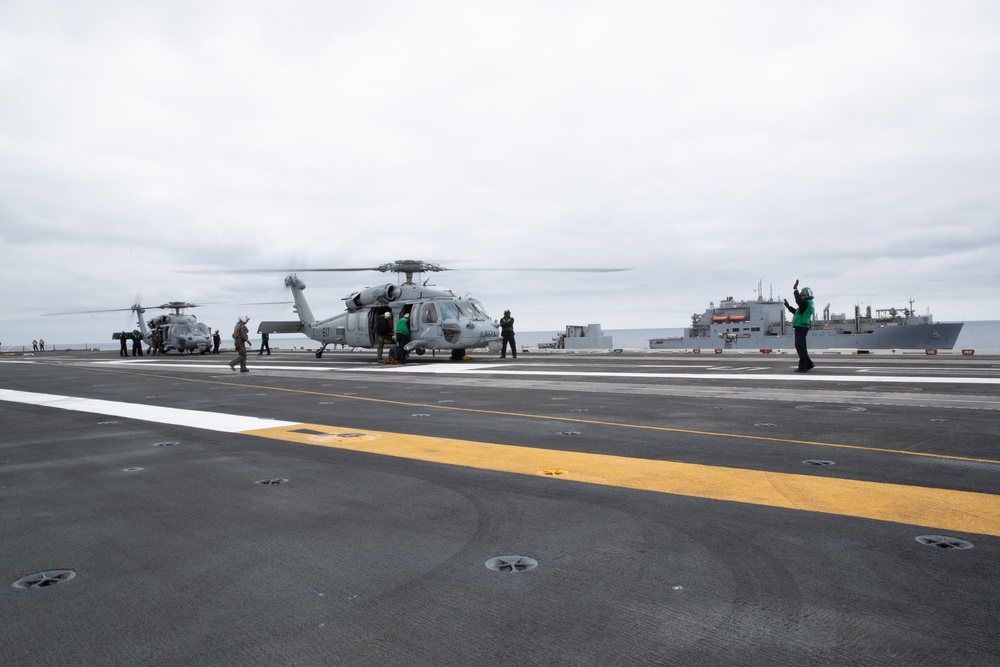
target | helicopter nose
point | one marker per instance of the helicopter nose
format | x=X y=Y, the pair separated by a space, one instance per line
x=480 y=332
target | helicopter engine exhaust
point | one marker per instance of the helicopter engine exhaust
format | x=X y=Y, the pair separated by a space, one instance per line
x=372 y=296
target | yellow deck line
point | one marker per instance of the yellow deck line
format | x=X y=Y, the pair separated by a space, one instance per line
x=573 y=420
x=939 y=509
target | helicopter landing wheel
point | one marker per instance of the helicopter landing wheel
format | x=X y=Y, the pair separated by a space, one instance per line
x=319 y=354
x=458 y=355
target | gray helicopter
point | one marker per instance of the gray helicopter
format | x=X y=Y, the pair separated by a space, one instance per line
x=183 y=333
x=180 y=332
x=439 y=319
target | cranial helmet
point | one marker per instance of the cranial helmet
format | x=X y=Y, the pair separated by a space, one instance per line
x=806 y=292
x=506 y=312
x=387 y=315
x=245 y=319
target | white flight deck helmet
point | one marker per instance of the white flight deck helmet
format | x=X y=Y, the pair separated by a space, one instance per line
x=245 y=319
x=387 y=315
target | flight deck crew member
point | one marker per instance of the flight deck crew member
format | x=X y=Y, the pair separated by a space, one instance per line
x=158 y=341
x=123 y=342
x=264 y=344
x=241 y=337
x=136 y=343
x=507 y=334
x=216 y=342
x=801 y=322
x=383 y=331
x=402 y=337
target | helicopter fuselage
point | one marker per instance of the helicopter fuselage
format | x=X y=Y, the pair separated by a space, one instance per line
x=183 y=333
x=439 y=320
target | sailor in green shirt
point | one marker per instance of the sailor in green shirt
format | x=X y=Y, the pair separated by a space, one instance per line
x=507 y=334
x=402 y=337
x=801 y=322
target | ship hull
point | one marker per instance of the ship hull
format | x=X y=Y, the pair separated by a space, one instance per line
x=937 y=336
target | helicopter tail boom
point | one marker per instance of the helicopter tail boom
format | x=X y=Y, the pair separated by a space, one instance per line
x=302 y=309
x=147 y=335
x=280 y=327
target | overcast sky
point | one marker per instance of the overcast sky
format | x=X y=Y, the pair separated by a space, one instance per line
x=705 y=145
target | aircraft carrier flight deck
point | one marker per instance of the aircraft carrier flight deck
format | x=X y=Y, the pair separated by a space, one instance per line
x=554 y=509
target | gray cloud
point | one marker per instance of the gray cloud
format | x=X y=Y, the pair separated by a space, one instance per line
x=853 y=145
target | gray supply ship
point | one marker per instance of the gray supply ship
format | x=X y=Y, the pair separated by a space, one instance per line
x=762 y=324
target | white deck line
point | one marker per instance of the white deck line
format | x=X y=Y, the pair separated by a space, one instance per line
x=212 y=421
x=790 y=377
x=862 y=374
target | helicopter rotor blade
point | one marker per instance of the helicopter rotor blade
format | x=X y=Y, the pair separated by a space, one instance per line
x=89 y=312
x=559 y=270
x=166 y=306
x=237 y=271
x=410 y=266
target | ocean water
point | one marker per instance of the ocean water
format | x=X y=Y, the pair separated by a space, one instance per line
x=983 y=335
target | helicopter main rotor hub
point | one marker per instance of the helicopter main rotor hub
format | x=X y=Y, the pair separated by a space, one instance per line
x=409 y=267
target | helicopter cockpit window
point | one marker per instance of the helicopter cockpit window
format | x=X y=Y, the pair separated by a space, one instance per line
x=189 y=329
x=430 y=313
x=470 y=310
x=478 y=308
x=449 y=310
